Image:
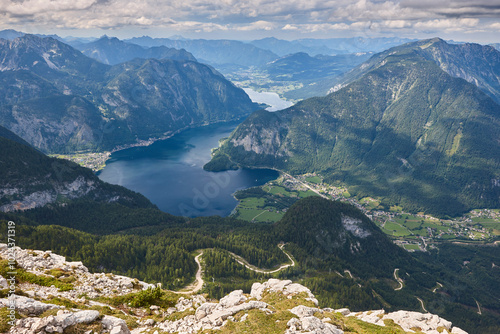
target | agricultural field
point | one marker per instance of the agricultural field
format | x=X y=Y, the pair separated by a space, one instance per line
x=314 y=179
x=267 y=203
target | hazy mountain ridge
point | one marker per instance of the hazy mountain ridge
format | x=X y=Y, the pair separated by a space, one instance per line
x=328 y=46
x=112 y=51
x=404 y=127
x=215 y=52
x=300 y=66
x=81 y=104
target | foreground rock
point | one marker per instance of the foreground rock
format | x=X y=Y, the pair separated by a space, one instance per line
x=85 y=283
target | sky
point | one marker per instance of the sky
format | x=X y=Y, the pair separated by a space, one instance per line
x=460 y=20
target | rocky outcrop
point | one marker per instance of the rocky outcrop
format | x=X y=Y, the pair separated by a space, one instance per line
x=85 y=283
x=213 y=315
x=27 y=306
x=286 y=287
x=56 y=324
x=311 y=325
x=427 y=323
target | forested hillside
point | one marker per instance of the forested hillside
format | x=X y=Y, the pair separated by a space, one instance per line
x=405 y=131
x=61 y=101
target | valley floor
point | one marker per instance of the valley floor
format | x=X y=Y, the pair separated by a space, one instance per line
x=413 y=232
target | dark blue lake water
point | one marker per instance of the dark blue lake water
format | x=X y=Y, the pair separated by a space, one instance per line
x=170 y=173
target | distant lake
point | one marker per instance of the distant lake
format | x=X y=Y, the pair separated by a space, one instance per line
x=170 y=173
x=272 y=99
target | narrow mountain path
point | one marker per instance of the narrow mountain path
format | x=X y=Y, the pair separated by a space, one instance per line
x=399 y=280
x=347 y=271
x=243 y=262
x=478 y=308
x=198 y=282
x=422 y=304
x=438 y=287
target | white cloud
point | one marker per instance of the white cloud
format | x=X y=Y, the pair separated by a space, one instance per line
x=257 y=25
x=308 y=16
x=495 y=26
x=447 y=24
x=31 y=7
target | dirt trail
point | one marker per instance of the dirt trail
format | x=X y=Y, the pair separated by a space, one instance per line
x=399 y=280
x=197 y=285
x=198 y=282
x=243 y=262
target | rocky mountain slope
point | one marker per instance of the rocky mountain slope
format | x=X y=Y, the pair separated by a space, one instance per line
x=30 y=179
x=52 y=295
x=405 y=131
x=475 y=63
x=60 y=101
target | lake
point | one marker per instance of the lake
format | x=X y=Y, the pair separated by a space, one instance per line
x=270 y=98
x=170 y=173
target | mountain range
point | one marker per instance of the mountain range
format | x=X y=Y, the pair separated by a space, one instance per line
x=213 y=52
x=328 y=46
x=113 y=51
x=477 y=64
x=402 y=129
x=59 y=100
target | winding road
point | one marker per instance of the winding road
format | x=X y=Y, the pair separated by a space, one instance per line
x=198 y=282
x=435 y=289
x=242 y=261
x=399 y=280
x=422 y=304
x=197 y=285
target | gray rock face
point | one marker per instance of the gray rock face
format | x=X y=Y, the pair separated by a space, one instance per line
x=93 y=285
x=115 y=325
x=191 y=303
x=234 y=298
x=29 y=200
x=355 y=227
x=286 y=287
x=427 y=322
x=211 y=315
x=311 y=325
x=3 y=283
x=304 y=311
x=53 y=324
x=27 y=306
x=456 y=330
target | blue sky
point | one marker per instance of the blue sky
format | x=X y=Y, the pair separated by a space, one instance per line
x=472 y=20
